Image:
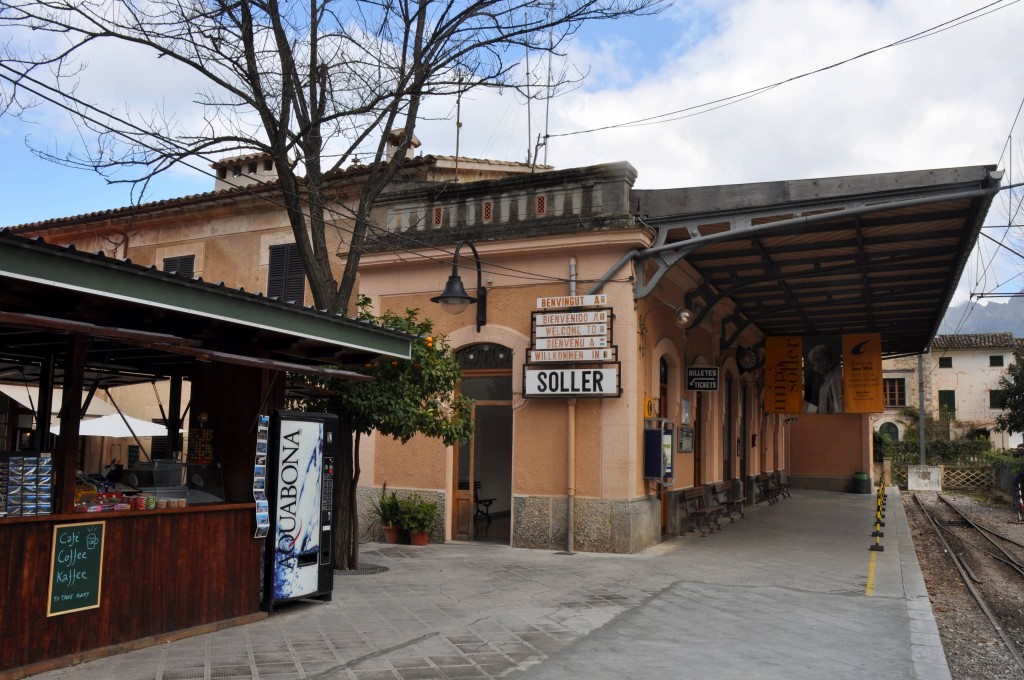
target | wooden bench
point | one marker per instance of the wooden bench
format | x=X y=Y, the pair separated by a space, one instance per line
x=781 y=487
x=699 y=511
x=722 y=495
x=483 y=505
x=765 y=489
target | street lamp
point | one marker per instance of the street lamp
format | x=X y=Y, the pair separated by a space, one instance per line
x=681 y=316
x=455 y=299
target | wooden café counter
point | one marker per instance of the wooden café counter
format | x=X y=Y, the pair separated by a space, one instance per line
x=162 y=574
x=83 y=322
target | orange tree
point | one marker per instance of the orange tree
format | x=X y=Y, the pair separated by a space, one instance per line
x=407 y=397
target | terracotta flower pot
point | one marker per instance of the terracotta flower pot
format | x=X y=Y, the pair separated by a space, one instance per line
x=419 y=537
x=392 y=534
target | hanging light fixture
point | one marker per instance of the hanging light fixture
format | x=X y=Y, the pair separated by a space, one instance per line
x=454 y=299
x=681 y=316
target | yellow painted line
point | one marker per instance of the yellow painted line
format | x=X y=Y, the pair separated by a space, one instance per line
x=870 y=589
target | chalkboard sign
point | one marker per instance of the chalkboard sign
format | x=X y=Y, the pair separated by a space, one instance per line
x=76 y=568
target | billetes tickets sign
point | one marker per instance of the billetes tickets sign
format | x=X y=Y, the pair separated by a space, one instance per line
x=702 y=378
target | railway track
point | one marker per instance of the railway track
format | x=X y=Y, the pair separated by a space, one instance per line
x=990 y=564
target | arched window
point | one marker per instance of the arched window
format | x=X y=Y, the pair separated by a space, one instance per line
x=890 y=430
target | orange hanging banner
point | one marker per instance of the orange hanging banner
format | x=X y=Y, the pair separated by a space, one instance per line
x=862 y=373
x=783 y=368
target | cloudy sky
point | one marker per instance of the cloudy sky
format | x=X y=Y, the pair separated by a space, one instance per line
x=946 y=99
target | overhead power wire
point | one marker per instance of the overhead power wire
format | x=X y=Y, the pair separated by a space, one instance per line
x=713 y=105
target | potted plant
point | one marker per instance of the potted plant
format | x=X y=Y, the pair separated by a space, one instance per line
x=419 y=516
x=388 y=510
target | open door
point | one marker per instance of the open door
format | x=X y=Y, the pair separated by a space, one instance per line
x=462 y=529
x=482 y=488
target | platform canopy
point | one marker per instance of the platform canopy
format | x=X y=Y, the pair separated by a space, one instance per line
x=866 y=253
x=142 y=324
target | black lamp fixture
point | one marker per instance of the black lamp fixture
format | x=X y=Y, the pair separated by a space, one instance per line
x=454 y=299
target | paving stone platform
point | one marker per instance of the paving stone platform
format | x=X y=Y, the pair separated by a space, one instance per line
x=791 y=591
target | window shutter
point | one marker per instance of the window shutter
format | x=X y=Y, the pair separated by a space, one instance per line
x=286 y=280
x=182 y=265
x=295 y=279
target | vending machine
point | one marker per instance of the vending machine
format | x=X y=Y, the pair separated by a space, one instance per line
x=301 y=450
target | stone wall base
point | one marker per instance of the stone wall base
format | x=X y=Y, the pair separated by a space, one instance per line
x=540 y=522
x=626 y=526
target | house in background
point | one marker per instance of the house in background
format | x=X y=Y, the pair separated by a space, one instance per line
x=961 y=387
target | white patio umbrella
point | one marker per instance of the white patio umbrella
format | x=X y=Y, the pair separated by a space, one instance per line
x=116 y=425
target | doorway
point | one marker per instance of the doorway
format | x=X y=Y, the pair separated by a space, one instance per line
x=483 y=465
x=698 y=439
x=743 y=442
x=727 y=430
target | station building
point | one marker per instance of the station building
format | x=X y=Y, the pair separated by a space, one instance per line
x=611 y=311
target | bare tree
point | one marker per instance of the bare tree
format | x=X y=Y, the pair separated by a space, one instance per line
x=289 y=79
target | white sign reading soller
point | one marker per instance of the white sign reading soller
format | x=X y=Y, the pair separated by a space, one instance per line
x=571 y=382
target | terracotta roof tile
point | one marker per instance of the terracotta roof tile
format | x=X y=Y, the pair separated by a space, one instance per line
x=261 y=187
x=975 y=341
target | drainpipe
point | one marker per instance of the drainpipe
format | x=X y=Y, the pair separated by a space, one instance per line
x=570 y=537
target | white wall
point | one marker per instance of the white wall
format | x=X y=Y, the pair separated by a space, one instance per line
x=971 y=377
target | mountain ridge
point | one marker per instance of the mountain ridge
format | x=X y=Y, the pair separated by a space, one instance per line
x=995 y=317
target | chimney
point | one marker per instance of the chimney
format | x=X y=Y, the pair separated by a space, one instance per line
x=243 y=171
x=394 y=140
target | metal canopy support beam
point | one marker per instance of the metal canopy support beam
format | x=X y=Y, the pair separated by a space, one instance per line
x=270 y=364
x=66 y=272
x=88 y=329
x=903 y=262
x=169 y=344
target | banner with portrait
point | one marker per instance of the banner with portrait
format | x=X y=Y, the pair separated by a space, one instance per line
x=823 y=374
